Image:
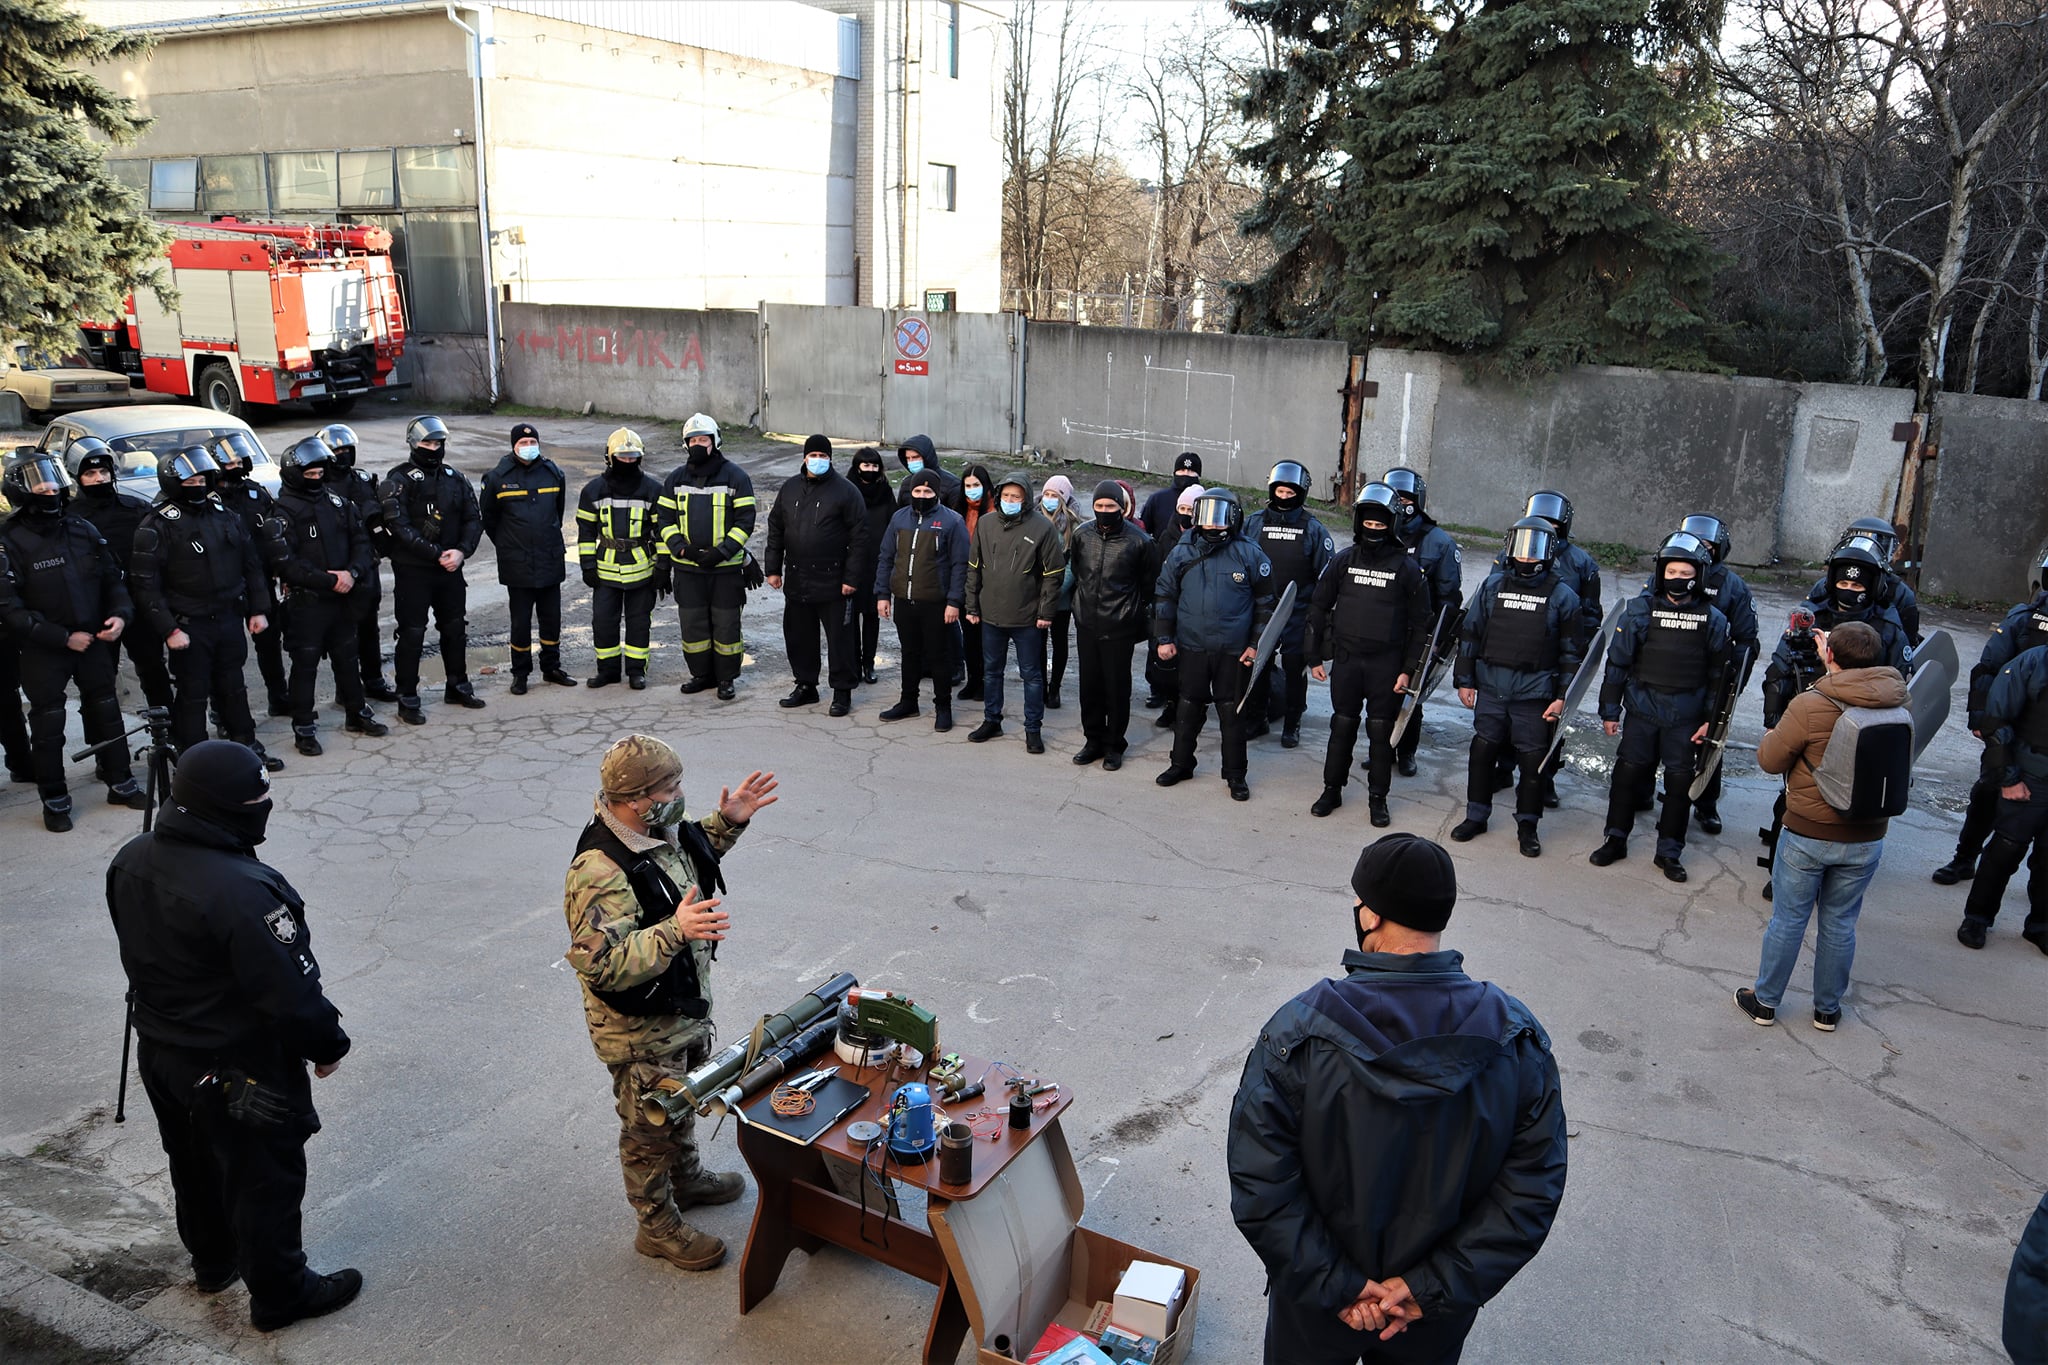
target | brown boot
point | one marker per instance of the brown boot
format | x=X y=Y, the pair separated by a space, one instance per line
x=685 y=1247
x=707 y=1187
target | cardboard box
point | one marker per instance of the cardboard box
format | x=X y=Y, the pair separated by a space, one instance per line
x=1023 y=1262
x=1148 y=1299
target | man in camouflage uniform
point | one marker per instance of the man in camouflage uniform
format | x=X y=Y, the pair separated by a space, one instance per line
x=644 y=925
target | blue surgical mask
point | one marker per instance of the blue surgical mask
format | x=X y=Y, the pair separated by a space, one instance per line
x=971 y=491
x=1050 y=502
x=1013 y=507
x=817 y=466
x=526 y=454
x=914 y=466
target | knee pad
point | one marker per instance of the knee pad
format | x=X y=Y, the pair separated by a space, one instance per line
x=414 y=637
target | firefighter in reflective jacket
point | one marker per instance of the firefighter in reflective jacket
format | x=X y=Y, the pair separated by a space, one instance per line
x=618 y=539
x=1370 y=611
x=1523 y=639
x=1664 y=668
x=707 y=514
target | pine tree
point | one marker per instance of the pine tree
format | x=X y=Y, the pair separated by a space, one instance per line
x=73 y=240
x=1494 y=183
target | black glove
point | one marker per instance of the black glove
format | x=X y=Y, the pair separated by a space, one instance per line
x=664 y=579
x=248 y=1100
x=590 y=575
x=705 y=556
x=751 y=574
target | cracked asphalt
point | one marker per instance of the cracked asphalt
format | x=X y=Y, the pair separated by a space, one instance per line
x=1736 y=1193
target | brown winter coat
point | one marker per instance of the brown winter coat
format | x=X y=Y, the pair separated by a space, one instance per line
x=1796 y=746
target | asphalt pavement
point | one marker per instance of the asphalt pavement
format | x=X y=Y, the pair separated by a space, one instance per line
x=1735 y=1194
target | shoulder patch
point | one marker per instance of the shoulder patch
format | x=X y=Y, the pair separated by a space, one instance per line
x=282 y=926
x=336 y=499
x=414 y=474
x=168 y=512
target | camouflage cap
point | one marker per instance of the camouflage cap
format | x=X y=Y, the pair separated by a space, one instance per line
x=637 y=765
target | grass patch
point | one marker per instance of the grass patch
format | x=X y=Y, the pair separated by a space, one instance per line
x=1612 y=554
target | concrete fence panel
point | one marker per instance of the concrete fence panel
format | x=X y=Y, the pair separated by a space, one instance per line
x=1988 y=522
x=1847 y=446
x=1397 y=420
x=1135 y=399
x=952 y=376
x=656 y=362
x=821 y=369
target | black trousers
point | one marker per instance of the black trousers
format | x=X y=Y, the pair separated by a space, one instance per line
x=1362 y=685
x=708 y=606
x=1105 y=668
x=1982 y=812
x=927 y=645
x=868 y=623
x=1645 y=746
x=14 y=740
x=366 y=603
x=1299 y=1335
x=801 y=622
x=1282 y=689
x=546 y=603
x=1210 y=675
x=967 y=638
x=209 y=669
x=145 y=649
x=2018 y=827
x=1512 y=734
x=1053 y=650
x=270 y=651
x=237 y=1188
x=46 y=675
x=613 y=605
x=322 y=627
x=415 y=592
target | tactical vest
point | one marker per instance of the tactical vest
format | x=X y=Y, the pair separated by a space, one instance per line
x=1673 y=654
x=1518 y=633
x=316 y=528
x=915 y=574
x=1371 y=608
x=1288 y=548
x=676 y=990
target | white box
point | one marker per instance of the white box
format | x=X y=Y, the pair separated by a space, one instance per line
x=1148 y=1299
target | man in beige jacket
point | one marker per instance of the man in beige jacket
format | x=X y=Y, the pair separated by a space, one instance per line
x=1824 y=860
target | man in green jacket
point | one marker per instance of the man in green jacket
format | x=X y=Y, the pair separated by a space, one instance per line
x=1014 y=568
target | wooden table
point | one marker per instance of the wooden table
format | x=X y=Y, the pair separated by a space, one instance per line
x=798 y=1209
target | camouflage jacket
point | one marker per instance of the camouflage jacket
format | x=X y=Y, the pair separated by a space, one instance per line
x=609 y=952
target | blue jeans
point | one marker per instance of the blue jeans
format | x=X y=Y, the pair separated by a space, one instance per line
x=996 y=642
x=1809 y=875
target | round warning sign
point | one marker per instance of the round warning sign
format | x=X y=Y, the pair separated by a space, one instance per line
x=913 y=338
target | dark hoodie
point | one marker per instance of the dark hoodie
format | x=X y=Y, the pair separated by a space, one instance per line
x=880 y=502
x=949 y=487
x=1404 y=1120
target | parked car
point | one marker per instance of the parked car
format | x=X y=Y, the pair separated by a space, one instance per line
x=48 y=385
x=142 y=434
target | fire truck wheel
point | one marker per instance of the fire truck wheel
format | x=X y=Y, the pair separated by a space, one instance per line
x=217 y=390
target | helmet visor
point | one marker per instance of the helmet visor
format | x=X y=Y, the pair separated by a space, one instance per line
x=1531 y=543
x=186 y=464
x=41 y=472
x=1213 y=513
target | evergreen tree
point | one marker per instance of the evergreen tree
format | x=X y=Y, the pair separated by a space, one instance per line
x=73 y=240
x=1493 y=181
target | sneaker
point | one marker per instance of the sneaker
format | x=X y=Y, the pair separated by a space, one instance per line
x=1331 y=798
x=1377 y=812
x=518 y=684
x=842 y=702
x=1609 y=853
x=129 y=794
x=942 y=719
x=800 y=695
x=1087 y=754
x=1034 y=743
x=1970 y=933
x=307 y=744
x=1757 y=1010
x=1955 y=870
x=1673 y=870
x=329 y=1292
x=1526 y=840
x=708 y=1187
x=985 y=732
x=1238 y=790
x=726 y=691
x=1467 y=831
x=902 y=710
x=695 y=685
x=1826 y=1020
x=1174 y=774
x=685 y=1248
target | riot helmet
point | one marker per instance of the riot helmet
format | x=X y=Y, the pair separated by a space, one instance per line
x=311 y=456
x=90 y=453
x=2041 y=573
x=1531 y=546
x=1711 y=532
x=1881 y=533
x=192 y=462
x=36 y=483
x=1854 y=571
x=1218 y=516
x=1375 y=502
x=1553 y=507
x=1683 y=547
x=1288 y=474
x=419 y=432
x=229 y=454
x=1410 y=485
x=340 y=438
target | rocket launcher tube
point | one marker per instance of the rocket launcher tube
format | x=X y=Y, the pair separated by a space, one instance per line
x=700 y=1087
x=772 y=1067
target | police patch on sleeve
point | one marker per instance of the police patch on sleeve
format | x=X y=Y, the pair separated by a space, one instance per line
x=168 y=512
x=282 y=926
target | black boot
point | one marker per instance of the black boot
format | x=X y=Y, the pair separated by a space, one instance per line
x=1188 y=718
x=376 y=689
x=803 y=694
x=462 y=694
x=1165 y=720
x=519 y=684
x=1337 y=763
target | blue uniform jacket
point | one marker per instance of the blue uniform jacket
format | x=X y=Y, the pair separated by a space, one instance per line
x=1321 y=550
x=1437 y=555
x=2021 y=684
x=1565 y=621
x=1619 y=684
x=2008 y=638
x=1214 y=597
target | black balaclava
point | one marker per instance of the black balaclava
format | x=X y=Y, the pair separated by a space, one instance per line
x=1110 y=522
x=98 y=492
x=702 y=455
x=218 y=781
x=188 y=496
x=1848 y=599
x=867 y=455
x=429 y=460
x=1187 y=471
x=924 y=492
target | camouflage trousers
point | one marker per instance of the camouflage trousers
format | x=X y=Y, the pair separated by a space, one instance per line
x=653 y=1157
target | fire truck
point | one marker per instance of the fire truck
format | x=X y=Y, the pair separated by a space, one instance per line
x=267 y=313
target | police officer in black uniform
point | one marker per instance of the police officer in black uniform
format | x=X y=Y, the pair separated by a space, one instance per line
x=366 y=599
x=2025 y=627
x=99 y=501
x=1370 y=614
x=197 y=578
x=13 y=729
x=62 y=599
x=524 y=500
x=1300 y=549
x=228 y=1007
x=1727 y=592
x=1522 y=642
x=2015 y=717
x=431 y=516
x=1665 y=665
x=1892 y=592
x=1436 y=553
x=252 y=502
x=1580 y=572
x=1853 y=575
x=318 y=547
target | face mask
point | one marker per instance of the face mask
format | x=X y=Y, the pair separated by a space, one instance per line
x=1012 y=507
x=817 y=466
x=1215 y=535
x=1186 y=520
x=866 y=474
x=1681 y=589
x=1850 y=599
x=972 y=491
x=662 y=814
x=345 y=456
x=1110 y=521
x=924 y=507
x=429 y=460
x=626 y=472
x=526 y=454
x=1050 y=504
x=699 y=454
x=1373 y=535
x=190 y=496
x=98 y=492
x=1285 y=503
x=1525 y=568
x=914 y=465
x=42 y=504
x=312 y=478
x=1184 y=480
x=245 y=823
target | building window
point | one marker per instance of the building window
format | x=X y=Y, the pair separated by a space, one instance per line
x=940 y=186
x=446 y=265
x=132 y=172
x=366 y=180
x=233 y=184
x=304 y=180
x=436 y=177
x=941 y=300
x=174 y=185
x=948 y=45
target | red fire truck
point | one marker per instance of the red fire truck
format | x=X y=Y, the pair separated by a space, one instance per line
x=267 y=313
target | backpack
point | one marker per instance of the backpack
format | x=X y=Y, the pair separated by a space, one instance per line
x=1868 y=768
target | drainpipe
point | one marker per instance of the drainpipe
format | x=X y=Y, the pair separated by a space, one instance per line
x=483 y=197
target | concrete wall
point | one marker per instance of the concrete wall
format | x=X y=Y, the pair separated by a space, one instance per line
x=1136 y=399
x=1988 y=522
x=656 y=362
x=835 y=370
x=1843 y=464
x=444 y=369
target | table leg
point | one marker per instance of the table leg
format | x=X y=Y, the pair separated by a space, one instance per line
x=776 y=1165
x=949 y=1324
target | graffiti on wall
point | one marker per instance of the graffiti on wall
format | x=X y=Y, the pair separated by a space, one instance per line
x=616 y=346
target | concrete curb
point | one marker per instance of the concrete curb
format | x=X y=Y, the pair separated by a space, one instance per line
x=49 y=1315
